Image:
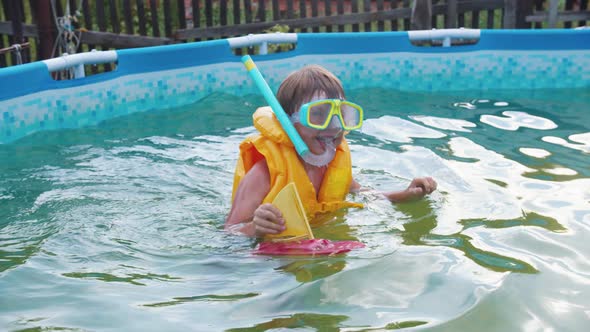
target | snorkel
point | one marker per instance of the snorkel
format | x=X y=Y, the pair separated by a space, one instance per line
x=278 y=110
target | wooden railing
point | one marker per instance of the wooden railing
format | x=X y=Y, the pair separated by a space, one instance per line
x=573 y=10
x=107 y=24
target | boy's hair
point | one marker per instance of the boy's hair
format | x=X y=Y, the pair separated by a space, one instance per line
x=301 y=86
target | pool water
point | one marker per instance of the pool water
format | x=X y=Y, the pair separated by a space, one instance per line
x=120 y=226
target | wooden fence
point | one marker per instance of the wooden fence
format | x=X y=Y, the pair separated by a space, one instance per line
x=52 y=27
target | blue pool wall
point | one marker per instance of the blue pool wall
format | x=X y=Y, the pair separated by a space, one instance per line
x=175 y=75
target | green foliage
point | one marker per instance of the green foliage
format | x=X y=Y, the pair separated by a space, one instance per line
x=278 y=28
x=275 y=48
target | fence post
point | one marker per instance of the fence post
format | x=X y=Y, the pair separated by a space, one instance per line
x=451 y=19
x=553 y=7
x=421 y=15
x=17 y=23
x=42 y=14
x=523 y=9
x=12 y=10
x=510 y=9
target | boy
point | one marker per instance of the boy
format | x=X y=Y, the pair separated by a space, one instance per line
x=314 y=99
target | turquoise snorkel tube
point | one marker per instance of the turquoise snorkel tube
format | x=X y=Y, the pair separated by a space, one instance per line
x=278 y=110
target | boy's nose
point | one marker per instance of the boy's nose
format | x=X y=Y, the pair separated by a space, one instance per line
x=334 y=127
x=334 y=123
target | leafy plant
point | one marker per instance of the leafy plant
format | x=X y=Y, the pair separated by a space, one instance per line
x=276 y=48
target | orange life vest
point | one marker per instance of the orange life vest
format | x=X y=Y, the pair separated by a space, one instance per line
x=273 y=144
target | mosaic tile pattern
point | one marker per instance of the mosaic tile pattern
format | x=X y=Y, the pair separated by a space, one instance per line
x=477 y=70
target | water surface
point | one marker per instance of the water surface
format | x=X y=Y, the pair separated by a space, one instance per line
x=120 y=226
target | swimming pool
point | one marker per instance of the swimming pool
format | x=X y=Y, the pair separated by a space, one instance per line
x=114 y=188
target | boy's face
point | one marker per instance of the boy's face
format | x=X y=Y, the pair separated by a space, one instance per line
x=319 y=140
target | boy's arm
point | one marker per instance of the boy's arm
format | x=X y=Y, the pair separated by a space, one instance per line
x=418 y=188
x=355 y=187
x=247 y=215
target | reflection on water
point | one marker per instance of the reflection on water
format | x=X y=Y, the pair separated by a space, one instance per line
x=444 y=123
x=321 y=323
x=529 y=219
x=306 y=270
x=131 y=278
x=487 y=259
x=537 y=153
x=515 y=120
x=125 y=220
x=419 y=232
x=581 y=141
x=206 y=298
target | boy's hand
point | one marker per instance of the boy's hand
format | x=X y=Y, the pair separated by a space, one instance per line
x=420 y=187
x=267 y=220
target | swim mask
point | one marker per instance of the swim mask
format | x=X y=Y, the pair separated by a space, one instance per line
x=318 y=114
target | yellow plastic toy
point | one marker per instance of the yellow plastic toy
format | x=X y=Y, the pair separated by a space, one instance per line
x=297 y=225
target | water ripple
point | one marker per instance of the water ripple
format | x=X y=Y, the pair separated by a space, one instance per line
x=205 y=298
x=444 y=123
x=581 y=142
x=394 y=129
x=515 y=120
x=128 y=223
